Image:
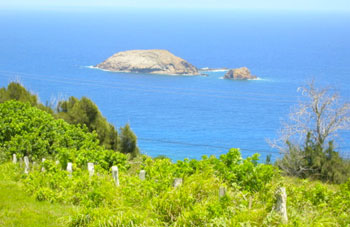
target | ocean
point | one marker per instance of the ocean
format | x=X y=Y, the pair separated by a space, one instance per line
x=178 y=116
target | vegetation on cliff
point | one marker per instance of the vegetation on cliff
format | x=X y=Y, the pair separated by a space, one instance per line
x=249 y=195
x=81 y=112
x=28 y=131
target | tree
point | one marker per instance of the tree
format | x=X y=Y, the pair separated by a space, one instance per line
x=85 y=112
x=74 y=111
x=15 y=91
x=307 y=139
x=28 y=131
x=128 y=141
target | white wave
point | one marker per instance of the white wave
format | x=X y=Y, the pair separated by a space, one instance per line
x=264 y=79
x=207 y=69
x=259 y=78
x=91 y=67
x=106 y=70
x=219 y=70
x=94 y=67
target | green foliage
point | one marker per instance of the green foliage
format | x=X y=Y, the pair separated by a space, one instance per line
x=26 y=130
x=17 y=208
x=248 y=174
x=85 y=112
x=318 y=203
x=155 y=202
x=308 y=135
x=15 y=91
x=315 y=161
x=128 y=141
x=79 y=112
x=250 y=184
x=161 y=157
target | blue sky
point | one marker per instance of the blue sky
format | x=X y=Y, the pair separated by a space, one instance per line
x=327 y=5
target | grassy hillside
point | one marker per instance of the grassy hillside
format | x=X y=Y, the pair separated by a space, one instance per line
x=19 y=208
x=52 y=198
x=49 y=195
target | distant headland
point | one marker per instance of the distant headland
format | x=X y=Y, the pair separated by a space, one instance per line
x=148 y=61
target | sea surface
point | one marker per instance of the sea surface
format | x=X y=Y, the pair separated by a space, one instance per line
x=178 y=116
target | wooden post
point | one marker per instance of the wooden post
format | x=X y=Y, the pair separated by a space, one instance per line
x=115 y=175
x=70 y=168
x=142 y=175
x=177 y=182
x=26 y=162
x=281 y=204
x=91 y=168
x=222 y=191
x=14 y=160
x=43 y=168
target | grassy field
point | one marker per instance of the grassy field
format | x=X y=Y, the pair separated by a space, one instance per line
x=17 y=208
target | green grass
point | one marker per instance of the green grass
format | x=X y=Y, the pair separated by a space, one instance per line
x=17 y=208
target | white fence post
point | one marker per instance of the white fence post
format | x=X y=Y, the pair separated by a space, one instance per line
x=281 y=204
x=43 y=168
x=70 y=168
x=26 y=162
x=91 y=168
x=142 y=175
x=177 y=182
x=14 y=160
x=115 y=175
x=222 y=191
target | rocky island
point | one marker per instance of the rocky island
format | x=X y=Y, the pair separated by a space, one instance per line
x=148 y=61
x=240 y=74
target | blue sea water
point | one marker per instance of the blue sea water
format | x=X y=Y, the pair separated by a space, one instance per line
x=177 y=116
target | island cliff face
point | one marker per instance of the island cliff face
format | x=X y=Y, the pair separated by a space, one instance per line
x=148 y=61
x=239 y=74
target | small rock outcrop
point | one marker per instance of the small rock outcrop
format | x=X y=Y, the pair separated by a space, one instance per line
x=239 y=74
x=148 y=61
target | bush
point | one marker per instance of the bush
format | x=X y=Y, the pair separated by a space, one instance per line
x=313 y=161
x=82 y=112
x=28 y=131
x=155 y=202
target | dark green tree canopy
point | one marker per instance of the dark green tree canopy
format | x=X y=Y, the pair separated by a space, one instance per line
x=85 y=112
x=79 y=112
x=28 y=131
x=128 y=141
x=15 y=91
